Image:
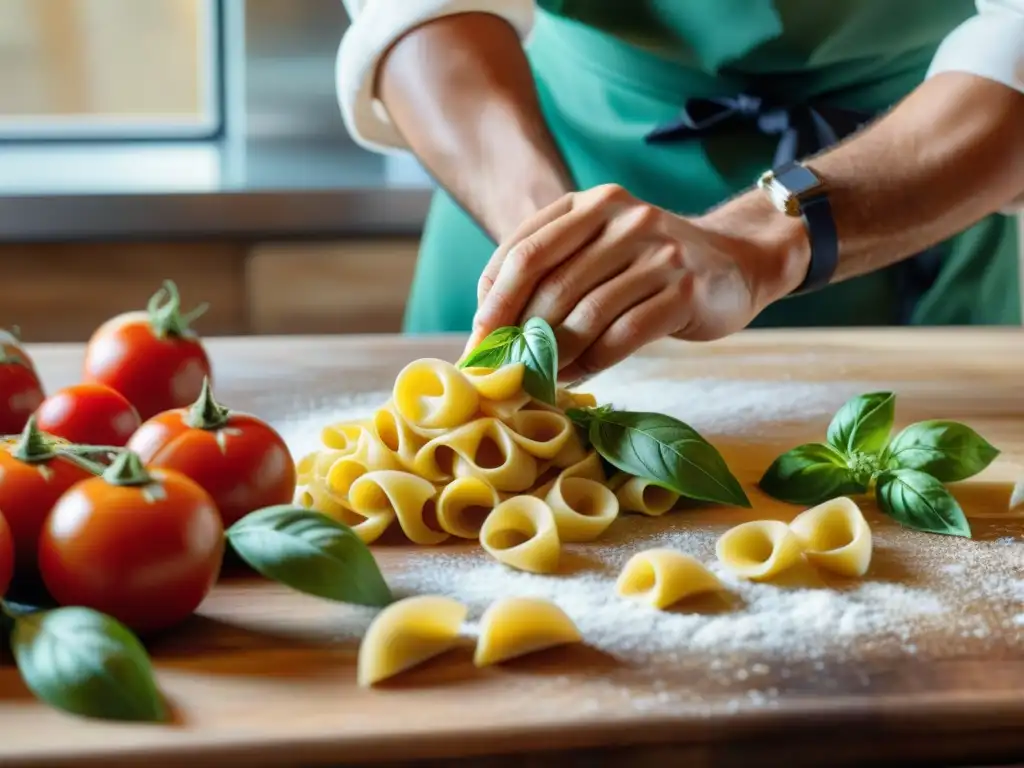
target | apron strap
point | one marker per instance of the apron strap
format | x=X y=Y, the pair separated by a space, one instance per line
x=802 y=131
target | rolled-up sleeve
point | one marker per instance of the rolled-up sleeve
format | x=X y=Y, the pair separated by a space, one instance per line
x=376 y=26
x=990 y=44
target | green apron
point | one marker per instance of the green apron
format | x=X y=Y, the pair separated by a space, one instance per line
x=608 y=75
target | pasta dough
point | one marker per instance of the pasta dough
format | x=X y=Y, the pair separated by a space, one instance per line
x=483 y=448
x=759 y=550
x=663 y=577
x=835 y=536
x=433 y=395
x=637 y=494
x=392 y=494
x=521 y=533
x=463 y=506
x=516 y=626
x=406 y=634
x=582 y=506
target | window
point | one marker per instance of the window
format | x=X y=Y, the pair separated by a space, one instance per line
x=109 y=69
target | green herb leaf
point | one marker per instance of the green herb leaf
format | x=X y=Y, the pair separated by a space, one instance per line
x=533 y=345
x=921 y=502
x=946 y=450
x=810 y=474
x=309 y=552
x=863 y=424
x=86 y=663
x=492 y=352
x=537 y=349
x=667 y=452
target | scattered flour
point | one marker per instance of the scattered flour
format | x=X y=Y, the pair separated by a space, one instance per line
x=931 y=596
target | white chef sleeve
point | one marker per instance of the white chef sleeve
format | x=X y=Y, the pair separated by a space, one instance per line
x=990 y=44
x=376 y=26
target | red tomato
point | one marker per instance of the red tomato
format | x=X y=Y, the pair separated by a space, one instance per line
x=239 y=459
x=142 y=546
x=88 y=414
x=32 y=478
x=152 y=358
x=6 y=556
x=20 y=390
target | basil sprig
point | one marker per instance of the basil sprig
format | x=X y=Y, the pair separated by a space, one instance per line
x=652 y=446
x=906 y=472
x=310 y=552
x=85 y=663
x=533 y=345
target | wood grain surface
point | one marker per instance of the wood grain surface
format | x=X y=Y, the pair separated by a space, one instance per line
x=265 y=677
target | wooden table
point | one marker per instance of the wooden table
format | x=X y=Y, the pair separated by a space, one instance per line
x=261 y=678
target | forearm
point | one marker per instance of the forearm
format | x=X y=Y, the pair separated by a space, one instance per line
x=947 y=156
x=461 y=93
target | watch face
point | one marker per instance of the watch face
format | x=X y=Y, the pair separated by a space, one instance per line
x=797 y=179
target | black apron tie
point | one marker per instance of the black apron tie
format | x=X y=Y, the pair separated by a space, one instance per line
x=802 y=131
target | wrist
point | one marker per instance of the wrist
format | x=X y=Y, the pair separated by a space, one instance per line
x=515 y=194
x=774 y=249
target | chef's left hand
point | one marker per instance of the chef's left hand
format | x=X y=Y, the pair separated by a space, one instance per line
x=612 y=273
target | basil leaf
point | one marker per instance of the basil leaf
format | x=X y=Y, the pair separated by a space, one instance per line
x=863 y=423
x=921 y=502
x=83 y=662
x=946 y=450
x=309 y=552
x=667 y=452
x=537 y=349
x=492 y=352
x=810 y=474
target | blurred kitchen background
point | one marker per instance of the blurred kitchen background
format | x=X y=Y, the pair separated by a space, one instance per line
x=198 y=140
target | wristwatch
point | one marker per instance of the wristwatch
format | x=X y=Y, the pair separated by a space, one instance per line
x=796 y=190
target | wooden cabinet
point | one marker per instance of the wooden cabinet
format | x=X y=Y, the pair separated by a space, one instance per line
x=61 y=292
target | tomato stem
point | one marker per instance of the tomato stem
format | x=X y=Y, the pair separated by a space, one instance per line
x=165 y=314
x=34 y=446
x=206 y=412
x=127 y=469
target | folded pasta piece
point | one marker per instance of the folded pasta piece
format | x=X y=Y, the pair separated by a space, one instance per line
x=372 y=453
x=394 y=433
x=565 y=399
x=316 y=495
x=638 y=494
x=663 y=577
x=483 y=448
x=504 y=409
x=759 y=550
x=406 y=634
x=572 y=453
x=583 y=508
x=404 y=495
x=342 y=474
x=463 y=506
x=588 y=467
x=835 y=536
x=316 y=465
x=496 y=383
x=515 y=626
x=343 y=436
x=433 y=394
x=521 y=533
x=543 y=434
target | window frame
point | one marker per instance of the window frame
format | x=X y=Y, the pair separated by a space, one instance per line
x=99 y=128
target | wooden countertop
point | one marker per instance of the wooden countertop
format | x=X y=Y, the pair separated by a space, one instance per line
x=265 y=677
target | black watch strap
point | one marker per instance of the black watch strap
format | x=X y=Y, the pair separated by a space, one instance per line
x=824 y=239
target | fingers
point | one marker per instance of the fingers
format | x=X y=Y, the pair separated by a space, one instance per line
x=659 y=316
x=543 y=217
x=614 y=250
x=529 y=260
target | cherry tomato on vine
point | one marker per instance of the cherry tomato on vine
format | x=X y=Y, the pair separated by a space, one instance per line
x=143 y=546
x=34 y=473
x=90 y=414
x=241 y=461
x=20 y=389
x=6 y=556
x=153 y=358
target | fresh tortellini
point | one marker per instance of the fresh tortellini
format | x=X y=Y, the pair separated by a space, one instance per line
x=408 y=633
x=516 y=626
x=663 y=577
x=759 y=550
x=521 y=533
x=835 y=537
x=450 y=446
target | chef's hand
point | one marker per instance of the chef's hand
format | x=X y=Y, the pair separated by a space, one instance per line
x=611 y=273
